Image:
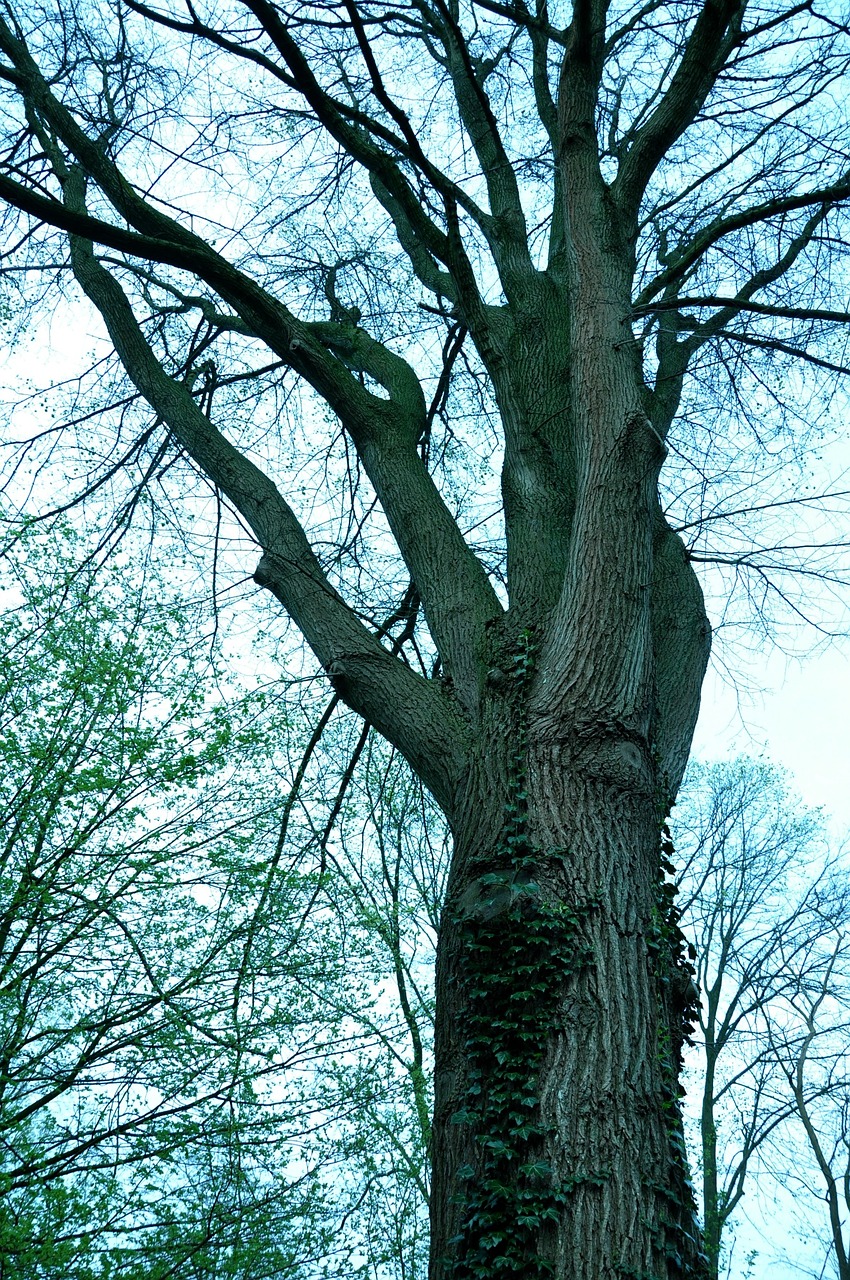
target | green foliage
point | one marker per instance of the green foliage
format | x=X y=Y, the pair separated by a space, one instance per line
x=673 y=959
x=674 y=956
x=517 y=964
x=147 y=980
x=203 y=1068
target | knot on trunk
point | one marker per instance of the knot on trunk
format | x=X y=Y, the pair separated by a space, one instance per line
x=495 y=893
x=615 y=757
x=264 y=573
x=639 y=437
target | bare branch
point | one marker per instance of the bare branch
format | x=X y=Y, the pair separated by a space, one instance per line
x=703 y=56
x=734 y=305
x=689 y=254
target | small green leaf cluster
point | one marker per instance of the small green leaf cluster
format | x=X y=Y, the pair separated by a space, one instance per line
x=669 y=940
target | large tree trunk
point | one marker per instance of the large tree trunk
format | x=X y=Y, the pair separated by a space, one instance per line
x=563 y=984
x=553 y=744
x=557 y=1139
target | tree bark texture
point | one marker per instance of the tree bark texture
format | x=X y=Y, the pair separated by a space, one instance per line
x=561 y=1003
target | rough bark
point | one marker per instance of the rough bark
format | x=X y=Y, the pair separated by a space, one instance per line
x=598 y=1091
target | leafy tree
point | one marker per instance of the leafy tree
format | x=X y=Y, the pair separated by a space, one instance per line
x=394 y=251
x=134 y=1046
x=216 y=1017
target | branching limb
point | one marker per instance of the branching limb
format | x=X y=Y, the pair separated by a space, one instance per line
x=705 y=53
x=730 y=306
x=681 y=262
x=507 y=233
x=674 y=354
x=457 y=596
x=785 y=348
x=581 y=72
x=408 y=710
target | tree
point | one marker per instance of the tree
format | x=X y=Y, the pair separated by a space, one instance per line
x=812 y=1055
x=133 y=1046
x=579 y=231
x=212 y=1050
x=764 y=904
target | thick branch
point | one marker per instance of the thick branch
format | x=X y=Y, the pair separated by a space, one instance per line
x=456 y=594
x=458 y=601
x=507 y=235
x=581 y=72
x=424 y=261
x=410 y=711
x=591 y=221
x=681 y=639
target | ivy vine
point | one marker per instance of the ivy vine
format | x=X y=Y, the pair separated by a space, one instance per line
x=678 y=1011
x=520 y=949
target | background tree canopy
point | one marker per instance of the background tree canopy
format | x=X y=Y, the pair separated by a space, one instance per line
x=212 y=1050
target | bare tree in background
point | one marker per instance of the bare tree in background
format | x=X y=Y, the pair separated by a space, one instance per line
x=418 y=239
x=814 y=1061
x=765 y=906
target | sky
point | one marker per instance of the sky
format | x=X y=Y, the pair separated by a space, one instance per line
x=800 y=719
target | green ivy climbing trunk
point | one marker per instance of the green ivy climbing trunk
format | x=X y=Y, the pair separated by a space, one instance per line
x=562 y=994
